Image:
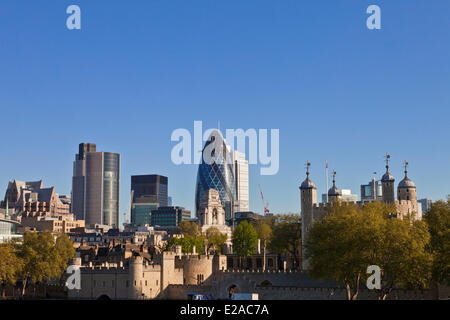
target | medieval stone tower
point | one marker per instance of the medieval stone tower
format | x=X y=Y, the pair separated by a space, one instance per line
x=406 y=189
x=308 y=198
x=387 y=184
x=334 y=194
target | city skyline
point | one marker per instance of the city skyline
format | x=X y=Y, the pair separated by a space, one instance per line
x=336 y=90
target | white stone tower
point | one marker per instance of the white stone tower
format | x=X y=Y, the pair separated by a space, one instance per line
x=387 y=184
x=406 y=189
x=308 y=198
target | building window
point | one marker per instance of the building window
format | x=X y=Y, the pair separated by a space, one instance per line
x=230 y=263
x=270 y=262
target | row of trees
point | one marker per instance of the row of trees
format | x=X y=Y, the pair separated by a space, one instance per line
x=410 y=254
x=280 y=234
x=38 y=257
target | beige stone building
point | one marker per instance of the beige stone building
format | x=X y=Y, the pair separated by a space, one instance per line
x=63 y=223
x=212 y=214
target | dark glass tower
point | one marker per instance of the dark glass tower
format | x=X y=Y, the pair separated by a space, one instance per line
x=216 y=174
x=148 y=192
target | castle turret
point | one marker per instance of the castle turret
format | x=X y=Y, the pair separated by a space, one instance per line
x=135 y=274
x=308 y=198
x=387 y=184
x=406 y=189
x=334 y=193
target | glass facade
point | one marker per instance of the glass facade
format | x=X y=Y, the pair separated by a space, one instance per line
x=169 y=216
x=8 y=230
x=141 y=213
x=111 y=171
x=216 y=175
x=148 y=193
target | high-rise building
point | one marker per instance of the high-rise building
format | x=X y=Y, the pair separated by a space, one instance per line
x=95 y=186
x=148 y=192
x=216 y=172
x=78 y=179
x=240 y=171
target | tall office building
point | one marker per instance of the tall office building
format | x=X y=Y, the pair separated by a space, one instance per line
x=216 y=175
x=148 y=192
x=95 y=186
x=78 y=179
x=240 y=171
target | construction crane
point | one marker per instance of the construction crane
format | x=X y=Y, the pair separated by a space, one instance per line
x=266 y=206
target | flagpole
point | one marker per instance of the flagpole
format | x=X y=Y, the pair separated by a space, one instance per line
x=326 y=174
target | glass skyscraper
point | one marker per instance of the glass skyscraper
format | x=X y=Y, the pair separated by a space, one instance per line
x=148 y=192
x=95 y=186
x=216 y=174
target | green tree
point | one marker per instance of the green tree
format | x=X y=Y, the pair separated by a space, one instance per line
x=215 y=238
x=438 y=221
x=332 y=249
x=244 y=240
x=65 y=252
x=187 y=243
x=264 y=232
x=9 y=265
x=189 y=228
x=38 y=254
x=402 y=256
x=350 y=238
x=287 y=236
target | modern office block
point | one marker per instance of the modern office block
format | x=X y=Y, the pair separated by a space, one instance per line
x=95 y=186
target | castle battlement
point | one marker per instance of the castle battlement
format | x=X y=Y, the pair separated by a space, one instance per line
x=197 y=257
x=260 y=271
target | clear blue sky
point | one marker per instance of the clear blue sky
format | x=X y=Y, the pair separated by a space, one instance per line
x=138 y=70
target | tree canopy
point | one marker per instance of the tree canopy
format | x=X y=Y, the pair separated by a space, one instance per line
x=287 y=236
x=215 y=238
x=350 y=238
x=244 y=239
x=189 y=228
x=438 y=221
